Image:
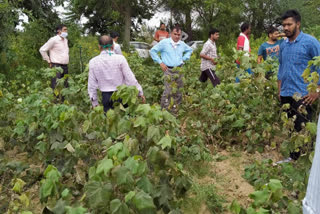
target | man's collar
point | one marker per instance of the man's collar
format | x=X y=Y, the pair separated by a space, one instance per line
x=178 y=43
x=212 y=42
x=107 y=52
x=297 y=39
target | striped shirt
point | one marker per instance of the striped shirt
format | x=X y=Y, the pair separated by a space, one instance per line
x=294 y=57
x=107 y=72
x=209 y=49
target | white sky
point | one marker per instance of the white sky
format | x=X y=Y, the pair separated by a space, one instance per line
x=154 y=22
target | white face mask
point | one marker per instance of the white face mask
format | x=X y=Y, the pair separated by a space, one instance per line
x=64 y=34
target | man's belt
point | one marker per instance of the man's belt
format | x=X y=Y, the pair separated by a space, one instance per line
x=59 y=64
x=170 y=67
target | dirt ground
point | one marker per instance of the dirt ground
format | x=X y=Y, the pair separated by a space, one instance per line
x=226 y=174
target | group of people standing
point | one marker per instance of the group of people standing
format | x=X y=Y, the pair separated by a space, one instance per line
x=110 y=69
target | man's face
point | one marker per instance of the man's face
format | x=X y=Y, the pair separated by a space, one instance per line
x=215 y=36
x=274 y=36
x=249 y=31
x=163 y=27
x=175 y=35
x=64 y=29
x=290 y=27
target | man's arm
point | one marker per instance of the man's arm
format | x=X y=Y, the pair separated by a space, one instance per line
x=314 y=50
x=204 y=52
x=129 y=77
x=92 y=86
x=240 y=43
x=117 y=49
x=45 y=48
x=187 y=52
x=260 y=54
x=279 y=89
x=279 y=76
x=259 y=59
x=154 y=55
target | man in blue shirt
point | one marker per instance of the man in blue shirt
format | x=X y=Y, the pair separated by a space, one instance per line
x=173 y=53
x=295 y=53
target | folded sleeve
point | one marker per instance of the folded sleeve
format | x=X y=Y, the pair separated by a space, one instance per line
x=45 y=48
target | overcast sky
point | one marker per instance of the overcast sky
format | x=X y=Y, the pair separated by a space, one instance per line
x=153 y=22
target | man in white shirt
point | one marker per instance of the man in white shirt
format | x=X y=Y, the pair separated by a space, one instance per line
x=115 y=37
x=58 y=49
x=209 y=56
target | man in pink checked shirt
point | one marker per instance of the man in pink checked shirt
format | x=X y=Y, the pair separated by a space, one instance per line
x=58 y=49
x=108 y=71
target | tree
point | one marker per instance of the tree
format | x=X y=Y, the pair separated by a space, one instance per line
x=104 y=15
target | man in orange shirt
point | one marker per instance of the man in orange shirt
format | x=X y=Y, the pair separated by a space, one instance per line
x=161 y=33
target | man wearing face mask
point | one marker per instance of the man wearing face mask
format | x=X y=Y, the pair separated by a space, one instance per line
x=174 y=53
x=58 y=49
x=295 y=53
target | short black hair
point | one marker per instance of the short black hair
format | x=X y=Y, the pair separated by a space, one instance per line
x=271 y=29
x=59 y=27
x=161 y=23
x=245 y=26
x=176 y=27
x=292 y=14
x=213 y=31
x=114 y=34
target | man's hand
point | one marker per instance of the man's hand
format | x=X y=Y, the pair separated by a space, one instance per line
x=163 y=67
x=310 y=98
x=50 y=64
x=143 y=99
x=213 y=61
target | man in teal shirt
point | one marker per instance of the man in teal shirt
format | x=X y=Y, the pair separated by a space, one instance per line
x=173 y=53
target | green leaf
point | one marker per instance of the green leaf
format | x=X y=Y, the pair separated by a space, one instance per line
x=235 y=207
x=165 y=142
x=312 y=128
x=140 y=121
x=76 y=210
x=263 y=211
x=46 y=189
x=42 y=146
x=24 y=199
x=86 y=126
x=65 y=193
x=123 y=176
x=18 y=185
x=143 y=201
x=259 y=197
x=26 y=212
x=153 y=133
x=98 y=194
x=293 y=208
x=129 y=196
x=145 y=184
x=117 y=207
x=104 y=166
